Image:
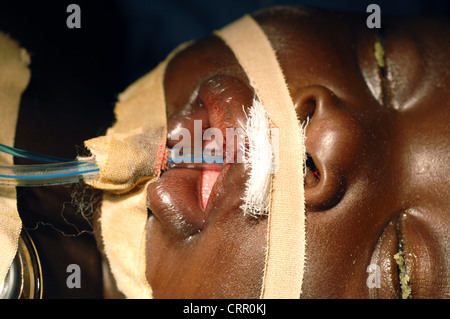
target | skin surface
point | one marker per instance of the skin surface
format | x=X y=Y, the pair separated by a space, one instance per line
x=378 y=138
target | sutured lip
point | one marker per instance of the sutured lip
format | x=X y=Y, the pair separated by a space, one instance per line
x=175 y=199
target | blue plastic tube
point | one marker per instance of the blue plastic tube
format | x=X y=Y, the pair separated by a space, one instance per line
x=55 y=171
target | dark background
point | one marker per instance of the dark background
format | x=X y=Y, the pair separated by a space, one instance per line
x=136 y=34
x=76 y=76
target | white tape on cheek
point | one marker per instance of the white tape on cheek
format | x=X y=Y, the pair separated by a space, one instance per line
x=283 y=274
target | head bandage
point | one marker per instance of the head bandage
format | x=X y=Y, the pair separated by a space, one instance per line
x=283 y=274
x=130 y=156
x=141 y=121
x=14 y=78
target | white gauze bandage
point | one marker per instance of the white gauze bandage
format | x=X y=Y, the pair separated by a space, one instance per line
x=259 y=160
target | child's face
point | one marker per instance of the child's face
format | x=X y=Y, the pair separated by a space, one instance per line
x=379 y=142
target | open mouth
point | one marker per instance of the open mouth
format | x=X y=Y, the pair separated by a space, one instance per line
x=184 y=197
x=208 y=179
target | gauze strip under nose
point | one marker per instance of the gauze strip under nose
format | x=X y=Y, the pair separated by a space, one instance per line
x=285 y=256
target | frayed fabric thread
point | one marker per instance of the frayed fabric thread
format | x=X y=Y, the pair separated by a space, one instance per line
x=260 y=160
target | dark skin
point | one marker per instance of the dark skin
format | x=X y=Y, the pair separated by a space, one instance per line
x=380 y=162
x=382 y=177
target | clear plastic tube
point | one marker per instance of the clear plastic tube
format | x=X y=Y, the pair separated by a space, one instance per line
x=32 y=156
x=194 y=161
x=55 y=171
x=206 y=166
x=49 y=174
x=58 y=171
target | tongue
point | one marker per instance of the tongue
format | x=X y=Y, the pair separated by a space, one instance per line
x=209 y=178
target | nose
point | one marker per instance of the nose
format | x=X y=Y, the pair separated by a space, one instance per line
x=333 y=140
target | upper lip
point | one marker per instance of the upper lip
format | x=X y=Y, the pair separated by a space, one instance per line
x=175 y=198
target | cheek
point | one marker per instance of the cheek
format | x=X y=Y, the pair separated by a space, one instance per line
x=352 y=200
x=224 y=261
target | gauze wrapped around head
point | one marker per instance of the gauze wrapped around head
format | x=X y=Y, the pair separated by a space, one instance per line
x=14 y=78
x=124 y=212
x=130 y=156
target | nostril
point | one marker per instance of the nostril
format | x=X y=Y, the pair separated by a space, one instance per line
x=305 y=109
x=324 y=186
x=312 y=173
x=312 y=99
x=326 y=126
